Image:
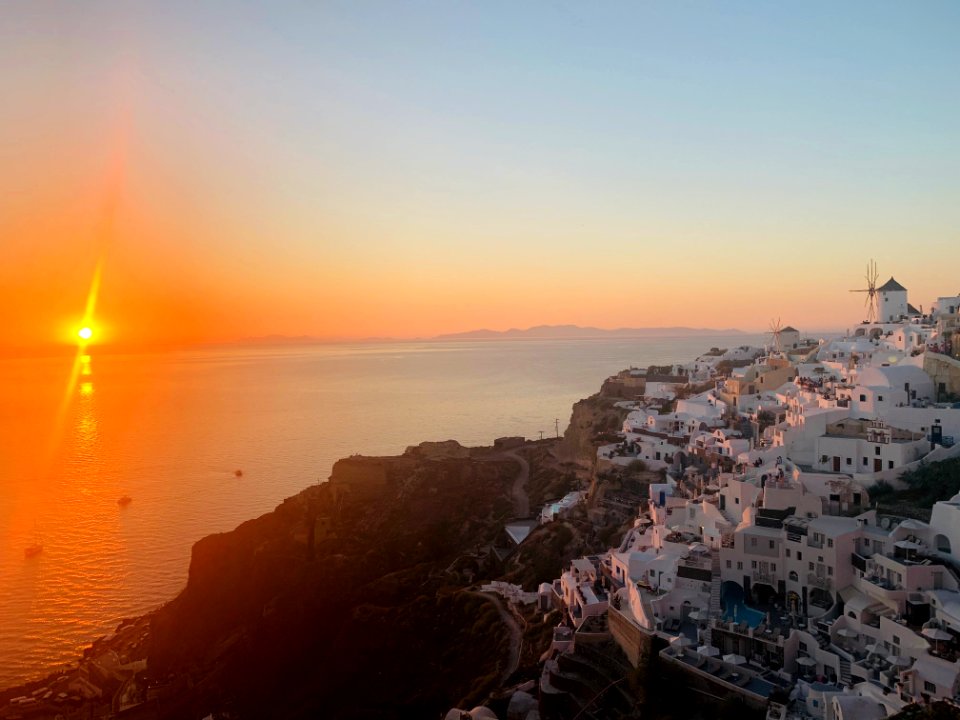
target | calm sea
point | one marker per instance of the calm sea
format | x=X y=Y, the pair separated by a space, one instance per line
x=169 y=430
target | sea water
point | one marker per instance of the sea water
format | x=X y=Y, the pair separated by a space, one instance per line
x=171 y=430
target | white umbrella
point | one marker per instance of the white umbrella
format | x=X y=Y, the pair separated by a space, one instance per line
x=697 y=615
x=936 y=634
x=847 y=632
x=708 y=651
x=808 y=661
x=900 y=660
x=907 y=545
x=681 y=641
x=734 y=659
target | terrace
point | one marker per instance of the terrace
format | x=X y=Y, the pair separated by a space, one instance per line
x=733 y=675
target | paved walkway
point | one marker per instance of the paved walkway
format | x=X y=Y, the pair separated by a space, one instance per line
x=516 y=636
x=521 y=503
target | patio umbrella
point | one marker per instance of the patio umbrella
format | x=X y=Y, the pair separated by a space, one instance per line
x=697 y=615
x=681 y=641
x=708 y=651
x=873 y=648
x=808 y=661
x=900 y=660
x=936 y=634
x=847 y=632
x=734 y=659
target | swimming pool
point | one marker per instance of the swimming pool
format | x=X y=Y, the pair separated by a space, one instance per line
x=734 y=607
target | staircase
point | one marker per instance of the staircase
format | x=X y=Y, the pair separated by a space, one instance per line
x=845 y=671
x=715 y=583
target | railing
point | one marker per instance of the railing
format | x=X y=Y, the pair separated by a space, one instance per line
x=883 y=583
x=763 y=577
x=818 y=581
x=814 y=543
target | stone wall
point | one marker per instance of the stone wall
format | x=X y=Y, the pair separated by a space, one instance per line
x=632 y=640
x=944 y=370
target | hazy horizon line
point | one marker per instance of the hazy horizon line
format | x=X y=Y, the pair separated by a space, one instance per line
x=480 y=334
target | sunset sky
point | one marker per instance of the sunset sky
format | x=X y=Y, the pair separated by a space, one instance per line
x=351 y=169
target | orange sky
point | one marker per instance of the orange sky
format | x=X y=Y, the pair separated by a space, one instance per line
x=321 y=172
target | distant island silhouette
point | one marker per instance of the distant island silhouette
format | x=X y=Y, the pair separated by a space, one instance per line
x=539 y=332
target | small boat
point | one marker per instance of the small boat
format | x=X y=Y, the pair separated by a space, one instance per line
x=238 y=473
x=124 y=501
x=32 y=550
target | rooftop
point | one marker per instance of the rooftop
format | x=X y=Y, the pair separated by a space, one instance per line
x=891 y=285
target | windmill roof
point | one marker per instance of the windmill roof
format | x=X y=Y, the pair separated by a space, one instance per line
x=891 y=285
x=789 y=328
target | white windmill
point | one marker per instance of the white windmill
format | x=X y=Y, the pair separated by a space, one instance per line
x=775 y=329
x=871 y=291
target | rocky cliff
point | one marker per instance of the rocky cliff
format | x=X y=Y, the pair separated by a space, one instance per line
x=338 y=603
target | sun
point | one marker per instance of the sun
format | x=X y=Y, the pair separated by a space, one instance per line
x=85 y=333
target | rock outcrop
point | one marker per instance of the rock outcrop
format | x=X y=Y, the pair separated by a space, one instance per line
x=338 y=603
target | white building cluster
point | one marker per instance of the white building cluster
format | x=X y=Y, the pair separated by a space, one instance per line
x=760 y=559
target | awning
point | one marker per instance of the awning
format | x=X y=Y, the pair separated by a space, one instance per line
x=855 y=600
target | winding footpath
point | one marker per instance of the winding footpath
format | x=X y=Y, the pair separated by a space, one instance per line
x=521 y=503
x=516 y=636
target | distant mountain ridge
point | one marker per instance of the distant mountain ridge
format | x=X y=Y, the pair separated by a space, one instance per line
x=539 y=332
x=577 y=331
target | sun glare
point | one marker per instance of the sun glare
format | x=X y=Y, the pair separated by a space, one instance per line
x=85 y=333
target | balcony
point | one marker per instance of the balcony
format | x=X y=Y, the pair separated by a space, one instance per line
x=817 y=581
x=883 y=583
x=814 y=543
x=759 y=576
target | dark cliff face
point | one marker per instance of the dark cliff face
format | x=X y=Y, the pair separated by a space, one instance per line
x=590 y=417
x=338 y=603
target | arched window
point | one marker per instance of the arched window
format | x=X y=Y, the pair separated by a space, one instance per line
x=794 y=576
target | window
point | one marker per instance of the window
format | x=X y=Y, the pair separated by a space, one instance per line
x=799 y=555
x=753 y=542
x=829 y=569
x=729 y=565
x=811 y=566
x=863 y=398
x=739 y=565
x=849 y=461
x=773 y=567
x=788 y=552
x=830 y=542
x=876 y=450
x=771 y=544
x=864 y=461
x=880 y=398
x=793 y=576
x=896 y=639
x=753 y=564
x=929 y=686
x=890 y=464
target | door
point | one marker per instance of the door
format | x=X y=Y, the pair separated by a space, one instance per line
x=836 y=463
x=877 y=464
